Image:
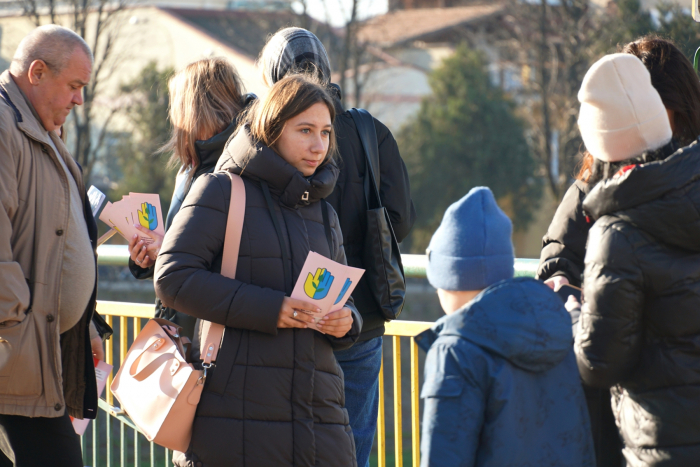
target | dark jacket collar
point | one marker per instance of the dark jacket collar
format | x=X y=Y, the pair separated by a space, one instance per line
x=27 y=119
x=662 y=198
x=260 y=163
x=520 y=319
x=208 y=151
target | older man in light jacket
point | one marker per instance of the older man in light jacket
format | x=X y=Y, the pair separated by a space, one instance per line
x=48 y=265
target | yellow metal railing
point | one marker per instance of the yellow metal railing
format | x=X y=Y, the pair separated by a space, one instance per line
x=133 y=316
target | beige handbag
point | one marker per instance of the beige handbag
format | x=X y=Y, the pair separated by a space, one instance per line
x=155 y=384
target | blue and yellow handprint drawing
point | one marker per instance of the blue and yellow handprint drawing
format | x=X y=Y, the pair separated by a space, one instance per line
x=318 y=285
x=148 y=217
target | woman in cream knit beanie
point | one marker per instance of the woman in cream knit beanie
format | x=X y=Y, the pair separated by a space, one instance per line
x=621 y=115
x=638 y=331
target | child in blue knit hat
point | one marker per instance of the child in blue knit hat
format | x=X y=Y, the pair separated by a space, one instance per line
x=501 y=383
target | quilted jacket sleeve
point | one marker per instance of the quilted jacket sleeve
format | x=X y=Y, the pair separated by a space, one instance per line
x=564 y=245
x=454 y=396
x=183 y=277
x=610 y=334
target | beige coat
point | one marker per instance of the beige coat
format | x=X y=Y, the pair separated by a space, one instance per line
x=40 y=373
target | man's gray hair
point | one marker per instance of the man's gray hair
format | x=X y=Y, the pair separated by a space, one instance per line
x=51 y=43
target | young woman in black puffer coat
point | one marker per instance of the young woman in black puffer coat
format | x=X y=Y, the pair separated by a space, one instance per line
x=564 y=245
x=275 y=397
x=639 y=327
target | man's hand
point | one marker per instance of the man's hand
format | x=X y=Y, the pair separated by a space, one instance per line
x=556 y=282
x=98 y=350
x=337 y=323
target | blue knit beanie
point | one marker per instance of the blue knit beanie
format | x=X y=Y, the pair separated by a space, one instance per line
x=472 y=248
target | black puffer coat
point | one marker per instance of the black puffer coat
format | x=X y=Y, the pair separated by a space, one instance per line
x=564 y=245
x=563 y=252
x=208 y=152
x=348 y=199
x=640 y=323
x=275 y=397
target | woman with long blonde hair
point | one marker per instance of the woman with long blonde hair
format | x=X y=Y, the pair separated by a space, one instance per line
x=206 y=98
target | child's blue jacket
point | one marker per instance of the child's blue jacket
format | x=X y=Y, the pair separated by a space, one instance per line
x=501 y=384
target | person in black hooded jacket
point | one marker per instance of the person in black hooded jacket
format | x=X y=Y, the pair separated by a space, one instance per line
x=564 y=245
x=202 y=124
x=639 y=327
x=294 y=50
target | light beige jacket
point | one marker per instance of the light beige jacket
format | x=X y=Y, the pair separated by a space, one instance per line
x=40 y=373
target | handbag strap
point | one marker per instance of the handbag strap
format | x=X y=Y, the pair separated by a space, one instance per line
x=212 y=334
x=364 y=122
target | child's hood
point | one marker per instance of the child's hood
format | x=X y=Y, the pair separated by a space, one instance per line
x=521 y=320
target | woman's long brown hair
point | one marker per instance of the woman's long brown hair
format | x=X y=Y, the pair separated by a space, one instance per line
x=673 y=76
x=205 y=98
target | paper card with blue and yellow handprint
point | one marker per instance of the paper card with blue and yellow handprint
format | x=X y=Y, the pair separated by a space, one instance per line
x=325 y=283
x=135 y=209
x=146 y=211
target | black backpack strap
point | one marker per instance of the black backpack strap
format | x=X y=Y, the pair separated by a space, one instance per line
x=364 y=122
x=327 y=225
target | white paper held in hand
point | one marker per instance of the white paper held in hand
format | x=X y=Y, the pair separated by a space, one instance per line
x=97 y=200
x=102 y=371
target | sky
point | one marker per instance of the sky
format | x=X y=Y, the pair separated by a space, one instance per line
x=337 y=12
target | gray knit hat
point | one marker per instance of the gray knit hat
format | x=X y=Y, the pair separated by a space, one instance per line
x=294 y=49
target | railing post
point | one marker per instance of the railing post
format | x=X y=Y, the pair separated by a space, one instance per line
x=398 y=428
x=415 y=404
x=137 y=451
x=123 y=347
x=122 y=444
x=381 y=419
x=109 y=358
x=95 y=442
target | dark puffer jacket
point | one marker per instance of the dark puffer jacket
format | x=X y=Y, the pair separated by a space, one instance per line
x=208 y=152
x=564 y=245
x=563 y=252
x=640 y=323
x=275 y=397
x=348 y=199
x=501 y=385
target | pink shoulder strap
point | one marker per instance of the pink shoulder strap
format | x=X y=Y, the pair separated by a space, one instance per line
x=211 y=333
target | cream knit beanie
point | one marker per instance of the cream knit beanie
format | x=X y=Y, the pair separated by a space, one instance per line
x=621 y=114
